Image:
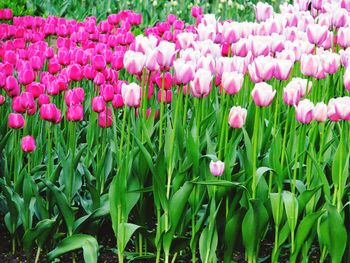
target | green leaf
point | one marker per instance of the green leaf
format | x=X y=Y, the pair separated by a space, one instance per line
x=332 y=233
x=125 y=232
x=291 y=207
x=39 y=233
x=78 y=241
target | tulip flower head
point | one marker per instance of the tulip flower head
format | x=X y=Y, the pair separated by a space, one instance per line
x=217 y=168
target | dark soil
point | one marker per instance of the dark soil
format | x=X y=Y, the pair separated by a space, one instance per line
x=108 y=253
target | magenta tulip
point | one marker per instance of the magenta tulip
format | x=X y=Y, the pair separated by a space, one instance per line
x=15 y=121
x=28 y=144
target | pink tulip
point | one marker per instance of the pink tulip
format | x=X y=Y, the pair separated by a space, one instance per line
x=75 y=112
x=232 y=82
x=237 y=117
x=230 y=32
x=117 y=101
x=43 y=99
x=74 y=96
x=2 y=100
x=75 y=72
x=309 y=65
x=49 y=112
x=320 y=112
x=131 y=94
x=302 y=83
x=217 y=168
x=183 y=72
x=107 y=92
x=331 y=110
x=105 y=118
x=342 y=108
x=134 y=62
x=36 y=89
x=166 y=54
x=17 y=105
x=304 y=111
x=263 y=11
x=98 y=62
x=347 y=79
x=316 y=34
x=165 y=96
x=263 y=94
x=343 y=37
x=292 y=94
x=98 y=104
x=168 y=80
x=340 y=18
x=202 y=83
x=283 y=68
x=151 y=60
x=27 y=100
x=196 y=11
x=28 y=144
x=15 y=121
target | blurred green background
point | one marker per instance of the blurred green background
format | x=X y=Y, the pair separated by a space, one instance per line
x=152 y=10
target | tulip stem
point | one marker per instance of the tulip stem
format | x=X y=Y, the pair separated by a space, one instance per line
x=255 y=149
x=162 y=102
x=122 y=136
x=185 y=108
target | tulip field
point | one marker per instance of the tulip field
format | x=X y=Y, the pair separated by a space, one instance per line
x=194 y=138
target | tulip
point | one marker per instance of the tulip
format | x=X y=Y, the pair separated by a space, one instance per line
x=237 y=117
x=134 y=62
x=283 y=68
x=28 y=144
x=117 y=101
x=343 y=37
x=131 y=94
x=49 y=112
x=202 y=83
x=263 y=94
x=75 y=112
x=168 y=81
x=74 y=96
x=166 y=54
x=149 y=111
x=320 y=112
x=316 y=34
x=304 y=111
x=43 y=99
x=183 y=72
x=330 y=62
x=292 y=94
x=217 y=168
x=75 y=72
x=105 y=118
x=331 y=110
x=107 y=92
x=27 y=100
x=309 y=65
x=342 y=108
x=2 y=100
x=15 y=121
x=347 y=79
x=98 y=62
x=196 y=11
x=98 y=104
x=36 y=89
x=302 y=83
x=165 y=96
x=232 y=82
x=17 y=105
x=264 y=67
x=263 y=11
x=151 y=60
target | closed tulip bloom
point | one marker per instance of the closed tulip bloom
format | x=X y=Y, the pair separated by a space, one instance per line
x=217 y=168
x=27 y=100
x=342 y=108
x=107 y=92
x=2 y=100
x=320 y=112
x=166 y=54
x=117 y=101
x=343 y=37
x=304 y=111
x=330 y=62
x=75 y=72
x=292 y=94
x=263 y=11
x=105 y=118
x=99 y=79
x=36 y=62
x=264 y=67
x=75 y=113
x=183 y=72
x=151 y=60
x=98 y=104
x=167 y=82
x=316 y=34
x=196 y=11
x=11 y=83
x=232 y=82
x=48 y=112
x=202 y=83
x=98 y=62
x=347 y=79
x=131 y=94
x=340 y=18
x=283 y=68
x=134 y=62
x=28 y=144
x=230 y=32
x=43 y=99
x=74 y=96
x=17 y=105
x=26 y=77
x=36 y=89
x=309 y=64
x=165 y=96
x=302 y=83
x=331 y=110
x=263 y=94
x=237 y=117
x=15 y=121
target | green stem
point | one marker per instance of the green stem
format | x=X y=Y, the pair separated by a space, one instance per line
x=122 y=136
x=255 y=149
x=162 y=105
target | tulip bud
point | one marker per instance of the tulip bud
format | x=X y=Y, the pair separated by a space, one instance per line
x=320 y=112
x=98 y=104
x=202 y=83
x=117 y=101
x=28 y=144
x=217 y=168
x=131 y=94
x=105 y=118
x=237 y=117
x=15 y=121
x=232 y=82
x=304 y=111
x=75 y=112
x=263 y=94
